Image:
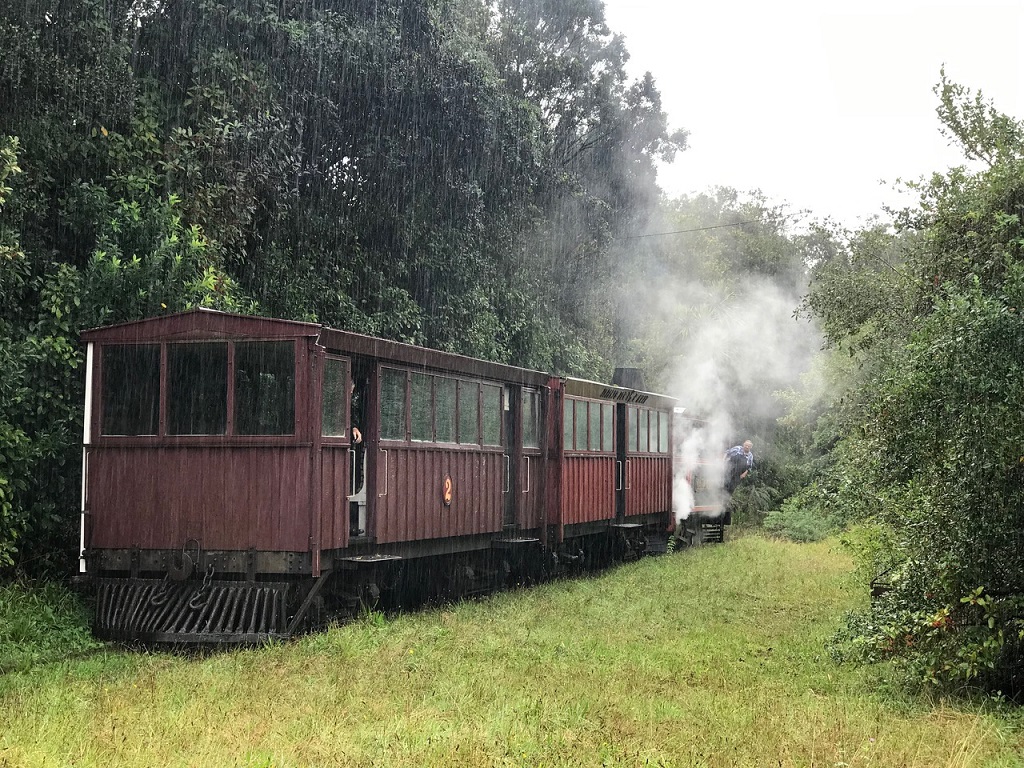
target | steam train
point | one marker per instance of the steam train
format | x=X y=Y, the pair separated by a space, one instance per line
x=247 y=478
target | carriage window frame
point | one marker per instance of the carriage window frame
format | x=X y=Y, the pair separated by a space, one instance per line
x=225 y=426
x=421 y=407
x=268 y=399
x=456 y=409
x=632 y=428
x=531 y=418
x=492 y=429
x=446 y=410
x=467 y=397
x=608 y=427
x=342 y=410
x=148 y=393
x=644 y=430
x=588 y=425
x=569 y=424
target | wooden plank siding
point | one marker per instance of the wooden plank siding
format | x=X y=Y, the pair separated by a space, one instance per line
x=588 y=488
x=224 y=497
x=410 y=506
x=648 y=484
x=335 y=486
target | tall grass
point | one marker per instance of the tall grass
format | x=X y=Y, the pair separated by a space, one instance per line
x=40 y=623
x=714 y=657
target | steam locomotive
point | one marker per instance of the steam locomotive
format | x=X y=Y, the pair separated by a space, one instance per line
x=247 y=478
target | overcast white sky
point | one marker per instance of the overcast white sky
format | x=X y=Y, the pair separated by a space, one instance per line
x=819 y=104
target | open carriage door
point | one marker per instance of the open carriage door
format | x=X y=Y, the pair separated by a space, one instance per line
x=338 y=453
x=622 y=427
x=509 y=430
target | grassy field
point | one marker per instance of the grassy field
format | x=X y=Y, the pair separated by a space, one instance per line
x=714 y=657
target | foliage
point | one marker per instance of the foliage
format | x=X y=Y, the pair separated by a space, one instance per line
x=796 y=521
x=40 y=623
x=925 y=438
x=444 y=172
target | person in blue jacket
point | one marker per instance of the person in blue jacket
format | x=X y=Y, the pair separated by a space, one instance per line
x=739 y=460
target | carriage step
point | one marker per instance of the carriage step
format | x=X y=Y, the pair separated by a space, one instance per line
x=657 y=544
x=512 y=543
x=712 y=533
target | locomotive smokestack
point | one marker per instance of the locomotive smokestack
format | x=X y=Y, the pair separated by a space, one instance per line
x=633 y=378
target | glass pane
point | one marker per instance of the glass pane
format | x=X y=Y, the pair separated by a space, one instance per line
x=567 y=420
x=492 y=415
x=197 y=388
x=131 y=390
x=642 y=447
x=531 y=419
x=422 y=408
x=469 y=412
x=608 y=426
x=392 y=404
x=581 y=420
x=264 y=388
x=663 y=433
x=334 y=401
x=631 y=424
x=595 y=426
x=444 y=407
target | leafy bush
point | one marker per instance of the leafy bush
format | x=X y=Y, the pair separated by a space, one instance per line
x=40 y=623
x=798 y=522
x=948 y=467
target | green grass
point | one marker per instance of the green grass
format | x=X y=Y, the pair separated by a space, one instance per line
x=40 y=623
x=714 y=657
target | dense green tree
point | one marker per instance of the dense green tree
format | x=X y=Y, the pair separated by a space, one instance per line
x=926 y=447
x=401 y=169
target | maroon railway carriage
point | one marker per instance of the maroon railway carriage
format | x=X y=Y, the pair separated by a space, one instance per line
x=226 y=496
x=615 y=472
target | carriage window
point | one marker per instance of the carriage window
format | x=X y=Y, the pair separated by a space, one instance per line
x=444 y=406
x=581 y=425
x=392 y=404
x=643 y=430
x=595 y=426
x=607 y=426
x=631 y=426
x=131 y=389
x=469 y=407
x=663 y=433
x=334 y=403
x=197 y=388
x=492 y=415
x=567 y=423
x=264 y=388
x=531 y=419
x=422 y=408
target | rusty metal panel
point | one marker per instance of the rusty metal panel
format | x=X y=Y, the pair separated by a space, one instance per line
x=230 y=498
x=648 y=484
x=410 y=505
x=588 y=488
